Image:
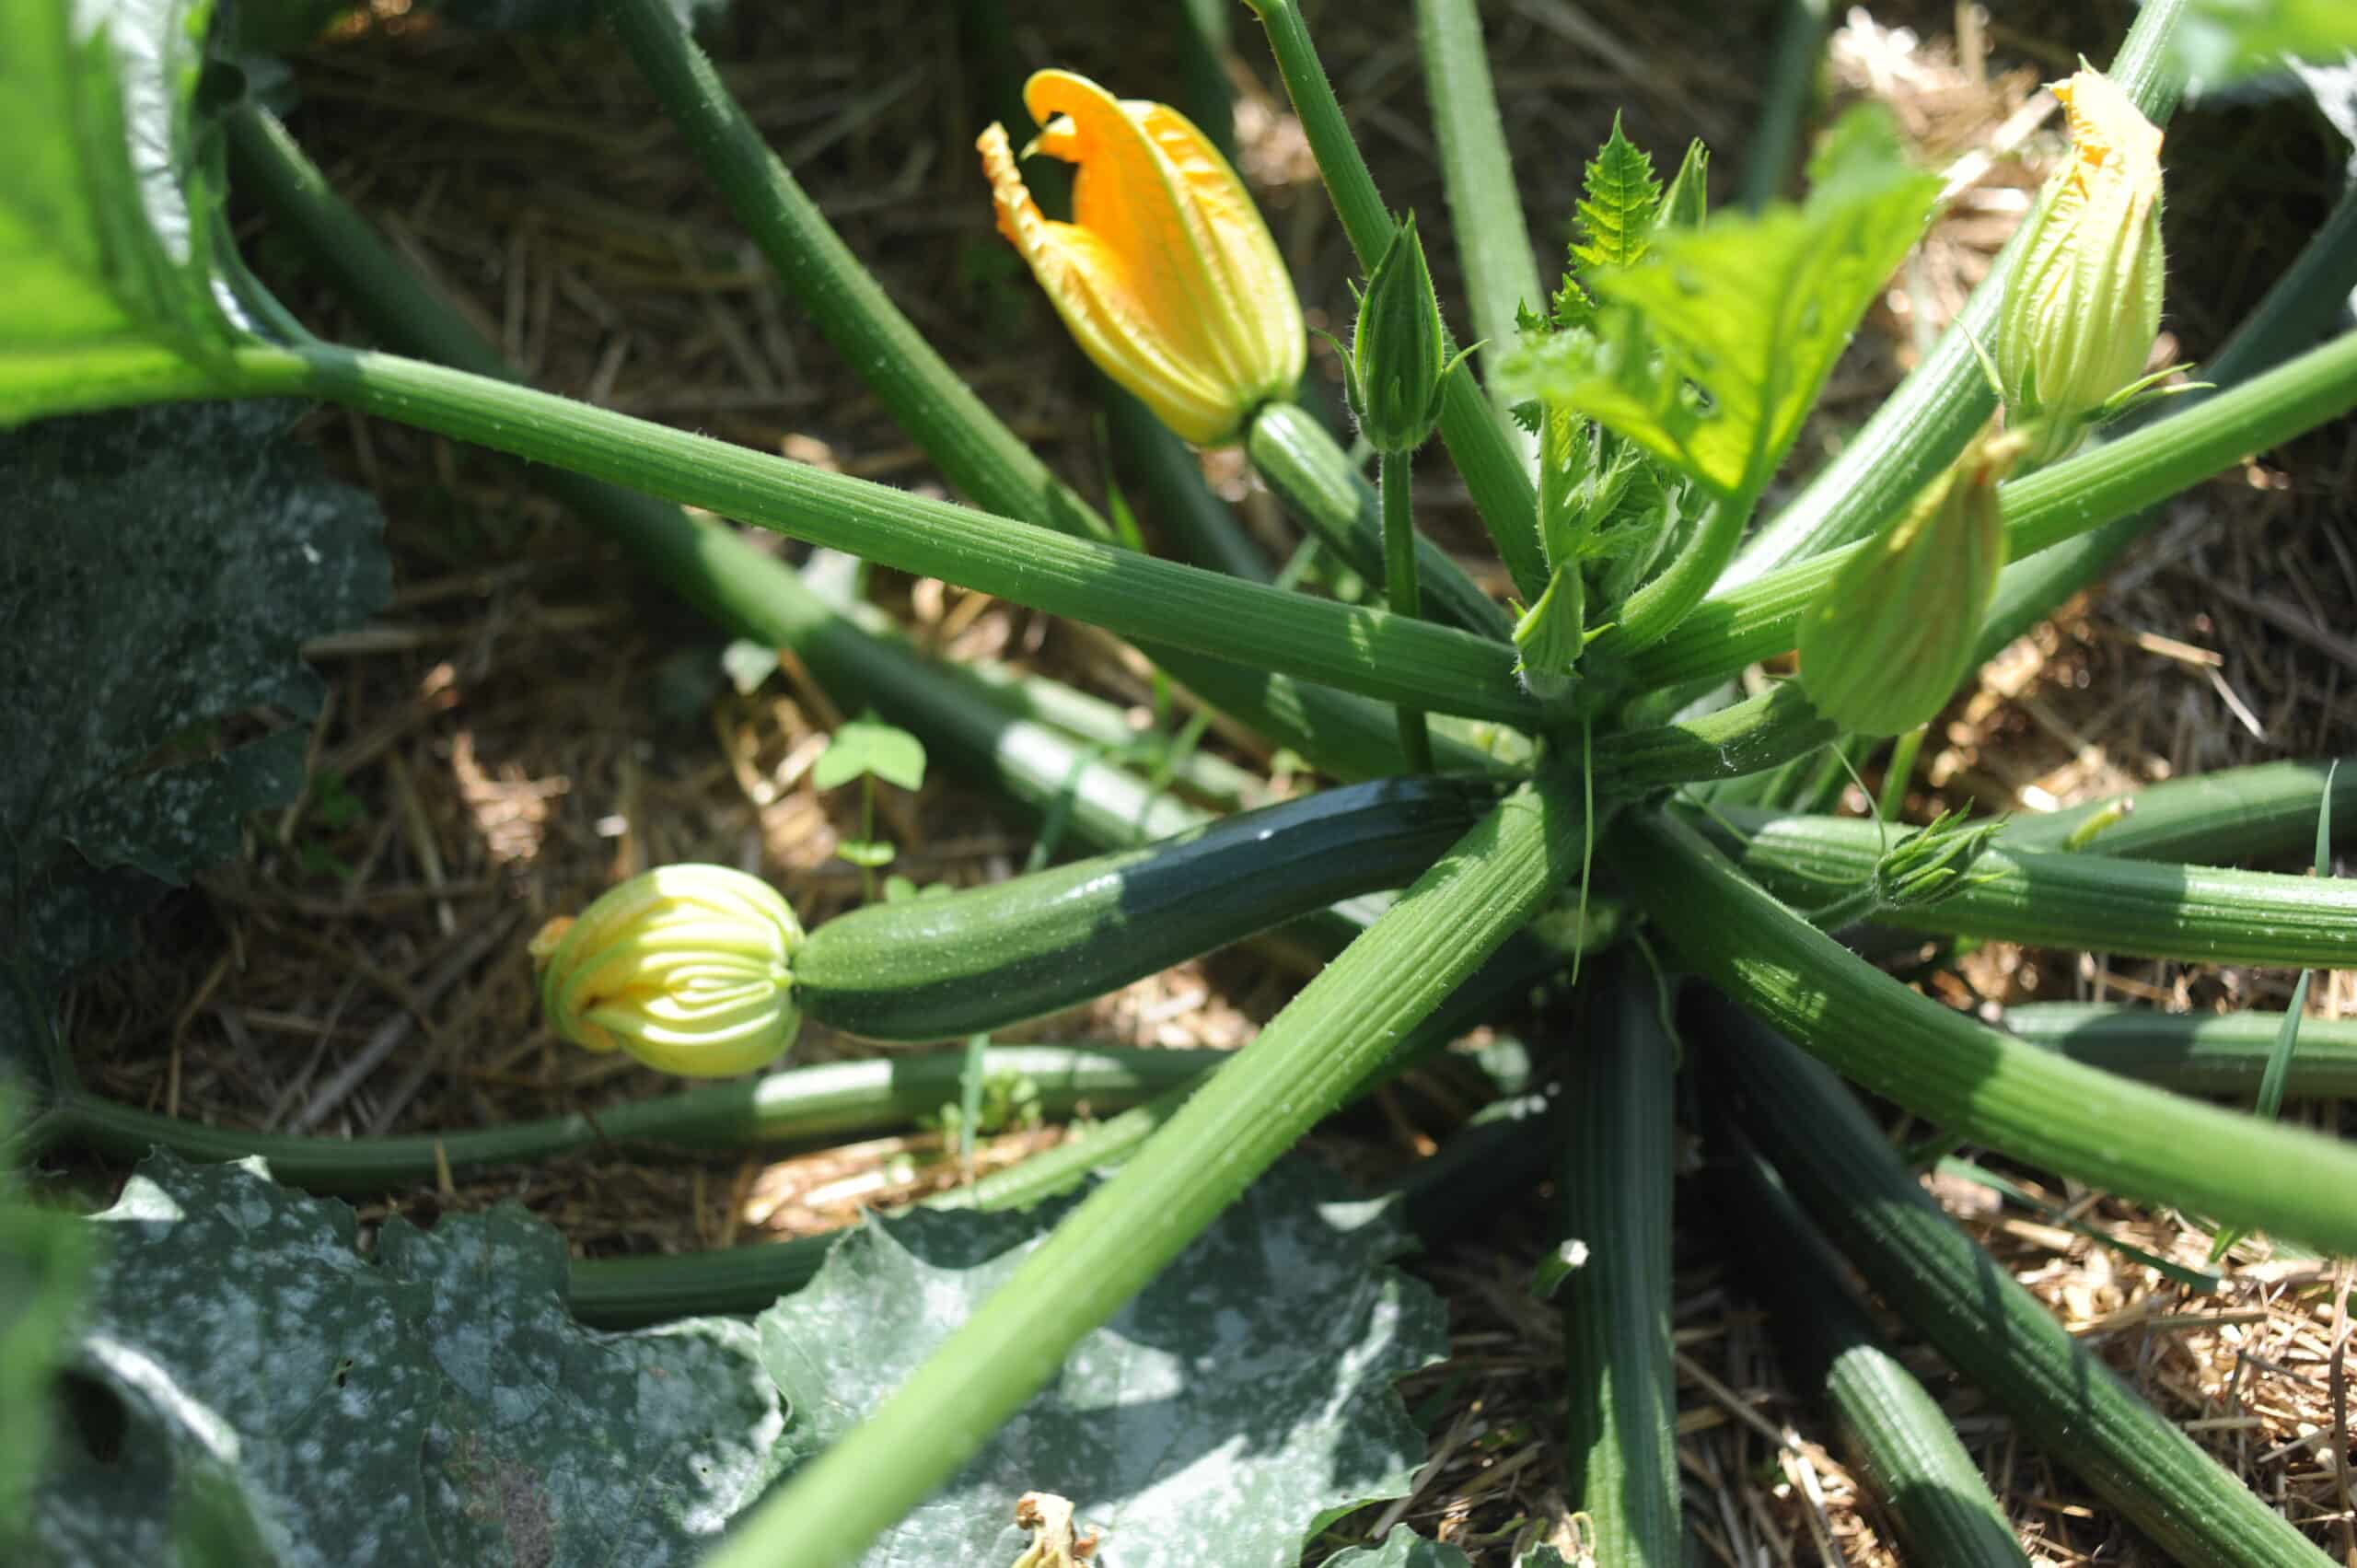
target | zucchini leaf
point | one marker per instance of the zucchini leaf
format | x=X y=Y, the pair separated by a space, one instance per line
x=1403 y=1548
x=1225 y=1414
x=436 y=1405
x=1711 y=351
x=109 y=198
x=158 y=573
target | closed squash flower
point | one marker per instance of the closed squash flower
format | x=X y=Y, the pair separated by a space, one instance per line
x=687 y=967
x=1166 y=276
x=2084 y=307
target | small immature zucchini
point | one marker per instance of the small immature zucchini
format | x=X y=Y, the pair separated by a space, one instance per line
x=938 y=968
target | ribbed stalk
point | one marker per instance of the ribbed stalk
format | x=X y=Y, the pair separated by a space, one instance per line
x=1484 y=207
x=620 y=1292
x=1900 y=1438
x=2203 y=1053
x=1919 y=428
x=1619 y=1137
x=1494 y=471
x=827 y=1100
x=1959 y=1075
x=1741 y=624
x=2144 y=908
x=1400 y=591
x=1198 y=522
x=740 y=586
x=2070 y=1404
x=1301 y=1066
x=1758 y=733
x=2262 y=812
x=1205 y=777
x=1792 y=83
x=1390 y=657
x=916 y=386
x=1322 y=488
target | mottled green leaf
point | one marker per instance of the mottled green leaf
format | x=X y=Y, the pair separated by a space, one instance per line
x=161 y=567
x=1403 y=1548
x=1711 y=351
x=436 y=1405
x=1241 y=1401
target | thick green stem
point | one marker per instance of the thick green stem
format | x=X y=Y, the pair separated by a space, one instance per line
x=1620 y=1166
x=2138 y=907
x=1494 y=471
x=622 y=1292
x=1390 y=657
x=1922 y=426
x=925 y=396
x=2068 y=1404
x=974 y=448
x=1970 y=1079
x=1656 y=610
x=2194 y=1052
x=1322 y=487
x=797 y=1103
x=1913 y=1459
x=1756 y=620
x=2265 y=811
x=1302 y=1064
x=1399 y=589
x=1792 y=84
x=1198 y=522
x=1484 y=207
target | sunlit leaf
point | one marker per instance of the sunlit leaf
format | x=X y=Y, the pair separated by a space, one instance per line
x=1711 y=351
x=2221 y=40
x=436 y=1405
x=1237 y=1404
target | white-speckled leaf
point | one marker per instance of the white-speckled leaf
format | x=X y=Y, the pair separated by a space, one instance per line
x=1403 y=1548
x=1237 y=1405
x=160 y=568
x=433 y=1406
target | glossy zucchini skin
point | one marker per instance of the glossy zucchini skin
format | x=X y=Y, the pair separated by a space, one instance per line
x=985 y=957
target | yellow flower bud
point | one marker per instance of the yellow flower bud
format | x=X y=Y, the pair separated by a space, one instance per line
x=688 y=968
x=2084 y=307
x=1165 y=276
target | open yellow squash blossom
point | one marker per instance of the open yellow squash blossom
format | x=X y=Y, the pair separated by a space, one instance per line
x=2084 y=306
x=1166 y=276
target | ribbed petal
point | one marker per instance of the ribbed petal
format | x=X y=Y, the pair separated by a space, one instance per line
x=1118 y=315
x=1262 y=308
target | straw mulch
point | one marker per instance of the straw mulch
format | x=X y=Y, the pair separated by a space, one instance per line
x=528 y=722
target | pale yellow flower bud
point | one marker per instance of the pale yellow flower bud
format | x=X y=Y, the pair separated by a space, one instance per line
x=688 y=968
x=2084 y=308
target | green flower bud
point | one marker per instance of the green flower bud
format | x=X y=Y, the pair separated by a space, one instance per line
x=1551 y=633
x=688 y=968
x=2082 y=308
x=1886 y=644
x=1398 y=355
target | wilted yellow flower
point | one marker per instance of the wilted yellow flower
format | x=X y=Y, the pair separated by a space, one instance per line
x=1166 y=276
x=688 y=968
x=2085 y=305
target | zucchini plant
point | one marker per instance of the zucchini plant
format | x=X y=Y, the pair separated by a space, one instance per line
x=1510 y=788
